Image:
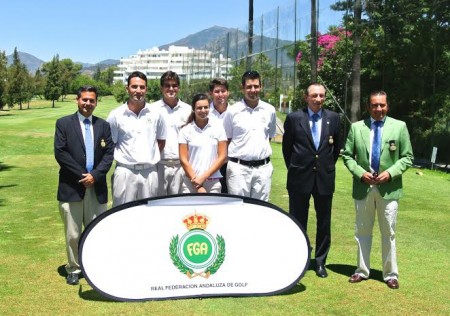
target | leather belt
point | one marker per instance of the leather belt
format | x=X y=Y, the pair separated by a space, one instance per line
x=250 y=163
x=138 y=166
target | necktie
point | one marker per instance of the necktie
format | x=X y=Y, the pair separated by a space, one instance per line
x=89 y=145
x=376 y=146
x=315 y=130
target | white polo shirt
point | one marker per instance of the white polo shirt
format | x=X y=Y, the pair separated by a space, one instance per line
x=136 y=136
x=175 y=118
x=250 y=130
x=203 y=144
x=213 y=113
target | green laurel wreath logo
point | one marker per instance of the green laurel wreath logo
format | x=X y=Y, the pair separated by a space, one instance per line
x=188 y=271
x=176 y=260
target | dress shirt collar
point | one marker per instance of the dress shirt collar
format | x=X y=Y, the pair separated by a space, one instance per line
x=310 y=113
x=373 y=121
x=82 y=118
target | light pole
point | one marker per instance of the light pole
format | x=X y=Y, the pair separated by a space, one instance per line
x=250 y=35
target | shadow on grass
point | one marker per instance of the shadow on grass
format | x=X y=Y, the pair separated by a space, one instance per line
x=298 y=288
x=2 y=201
x=62 y=271
x=92 y=295
x=89 y=295
x=348 y=270
x=5 y=167
x=7 y=186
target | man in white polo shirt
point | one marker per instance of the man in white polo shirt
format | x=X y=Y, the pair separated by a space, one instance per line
x=218 y=91
x=249 y=125
x=139 y=134
x=175 y=113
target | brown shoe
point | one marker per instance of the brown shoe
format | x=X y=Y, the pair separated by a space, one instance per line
x=392 y=284
x=355 y=278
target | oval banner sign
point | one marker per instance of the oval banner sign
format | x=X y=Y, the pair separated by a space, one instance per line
x=193 y=245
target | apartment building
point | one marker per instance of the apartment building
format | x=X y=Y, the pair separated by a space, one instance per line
x=188 y=63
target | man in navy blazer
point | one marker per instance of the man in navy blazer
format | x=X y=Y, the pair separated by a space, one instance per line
x=82 y=188
x=311 y=166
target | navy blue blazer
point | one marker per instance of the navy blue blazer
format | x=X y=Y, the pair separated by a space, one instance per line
x=305 y=164
x=70 y=153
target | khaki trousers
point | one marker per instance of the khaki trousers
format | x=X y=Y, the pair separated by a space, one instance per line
x=386 y=211
x=74 y=215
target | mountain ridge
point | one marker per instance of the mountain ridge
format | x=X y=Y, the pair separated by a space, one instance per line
x=213 y=38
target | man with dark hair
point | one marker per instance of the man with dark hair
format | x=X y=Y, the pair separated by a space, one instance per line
x=139 y=134
x=175 y=112
x=311 y=146
x=249 y=125
x=218 y=91
x=377 y=152
x=84 y=151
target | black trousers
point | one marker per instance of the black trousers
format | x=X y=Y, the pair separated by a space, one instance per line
x=223 y=180
x=299 y=208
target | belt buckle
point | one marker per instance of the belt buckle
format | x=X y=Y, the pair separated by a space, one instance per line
x=172 y=162
x=140 y=166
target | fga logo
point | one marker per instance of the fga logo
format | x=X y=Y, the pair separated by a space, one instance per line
x=197 y=253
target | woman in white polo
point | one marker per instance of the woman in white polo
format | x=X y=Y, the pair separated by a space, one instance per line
x=202 y=148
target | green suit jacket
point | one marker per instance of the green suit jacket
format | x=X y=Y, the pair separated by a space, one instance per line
x=396 y=156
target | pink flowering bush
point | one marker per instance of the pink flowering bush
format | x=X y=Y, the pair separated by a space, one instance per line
x=331 y=62
x=327 y=41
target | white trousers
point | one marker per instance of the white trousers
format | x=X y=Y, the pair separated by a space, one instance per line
x=210 y=185
x=170 y=179
x=386 y=211
x=131 y=185
x=254 y=182
x=74 y=215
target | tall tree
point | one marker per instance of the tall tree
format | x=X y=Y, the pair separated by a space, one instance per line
x=119 y=91
x=69 y=71
x=356 y=63
x=3 y=78
x=313 y=41
x=97 y=74
x=17 y=81
x=39 y=83
x=30 y=88
x=53 y=86
x=405 y=50
x=107 y=75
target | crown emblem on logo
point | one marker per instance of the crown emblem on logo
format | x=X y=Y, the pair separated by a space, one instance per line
x=196 y=222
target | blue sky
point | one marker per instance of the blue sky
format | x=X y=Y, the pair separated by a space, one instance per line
x=92 y=31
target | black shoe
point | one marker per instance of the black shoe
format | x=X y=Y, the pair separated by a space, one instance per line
x=321 y=271
x=72 y=279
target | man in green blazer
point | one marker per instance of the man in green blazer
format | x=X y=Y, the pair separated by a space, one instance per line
x=377 y=152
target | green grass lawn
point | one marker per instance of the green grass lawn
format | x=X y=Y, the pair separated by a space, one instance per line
x=32 y=250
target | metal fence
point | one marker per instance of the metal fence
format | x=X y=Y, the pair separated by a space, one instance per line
x=274 y=35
